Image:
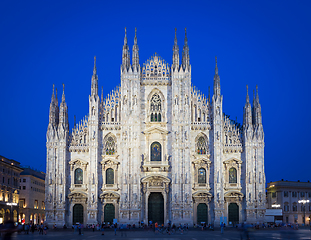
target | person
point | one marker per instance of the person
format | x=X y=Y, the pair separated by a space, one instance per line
x=45 y=228
x=103 y=230
x=115 y=228
x=156 y=227
x=79 y=227
x=222 y=227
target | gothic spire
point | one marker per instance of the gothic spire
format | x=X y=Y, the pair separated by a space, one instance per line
x=135 y=55
x=63 y=95
x=175 y=53
x=52 y=114
x=216 y=81
x=125 y=54
x=63 y=114
x=247 y=118
x=185 y=53
x=256 y=108
x=94 y=84
x=102 y=95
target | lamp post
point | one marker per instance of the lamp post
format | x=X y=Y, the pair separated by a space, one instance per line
x=304 y=209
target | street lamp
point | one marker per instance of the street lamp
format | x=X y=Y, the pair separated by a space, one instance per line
x=304 y=209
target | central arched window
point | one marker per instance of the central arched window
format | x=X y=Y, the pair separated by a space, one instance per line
x=232 y=175
x=155 y=108
x=201 y=146
x=78 y=176
x=109 y=176
x=202 y=175
x=155 y=151
x=110 y=146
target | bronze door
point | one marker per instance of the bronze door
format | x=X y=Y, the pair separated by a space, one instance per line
x=156 y=208
x=77 y=214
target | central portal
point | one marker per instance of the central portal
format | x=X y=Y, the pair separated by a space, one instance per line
x=156 y=207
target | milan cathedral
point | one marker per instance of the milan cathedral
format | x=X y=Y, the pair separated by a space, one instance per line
x=155 y=149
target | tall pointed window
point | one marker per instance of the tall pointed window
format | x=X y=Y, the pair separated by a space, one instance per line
x=155 y=151
x=109 y=176
x=155 y=108
x=232 y=175
x=201 y=146
x=202 y=175
x=110 y=146
x=78 y=176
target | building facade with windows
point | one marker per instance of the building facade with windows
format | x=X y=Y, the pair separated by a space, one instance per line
x=32 y=196
x=293 y=198
x=9 y=191
x=155 y=149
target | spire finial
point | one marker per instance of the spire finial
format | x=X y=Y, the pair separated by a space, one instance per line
x=94 y=69
x=56 y=93
x=63 y=96
x=247 y=97
x=125 y=38
x=209 y=93
x=186 y=40
x=216 y=67
x=257 y=95
x=102 y=96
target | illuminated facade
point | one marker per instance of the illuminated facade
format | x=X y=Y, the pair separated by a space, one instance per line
x=155 y=149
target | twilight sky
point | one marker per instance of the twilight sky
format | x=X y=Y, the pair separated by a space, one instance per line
x=264 y=43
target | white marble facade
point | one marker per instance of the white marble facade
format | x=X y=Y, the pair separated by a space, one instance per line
x=155 y=137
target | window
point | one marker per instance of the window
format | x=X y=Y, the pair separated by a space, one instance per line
x=110 y=146
x=273 y=195
x=294 y=194
x=285 y=194
x=294 y=208
x=286 y=208
x=78 y=176
x=43 y=205
x=3 y=180
x=155 y=108
x=309 y=194
x=109 y=176
x=202 y=175
x=302 y=194
x=232 y=175
x=24 y=187
x=8 y=181
x=36 y=204
x=24 y=180
x=201 y=146
x=21 y=203
x=155 y=151
x=302 y=208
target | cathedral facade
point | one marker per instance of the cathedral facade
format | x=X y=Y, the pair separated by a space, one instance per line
x=155 y=149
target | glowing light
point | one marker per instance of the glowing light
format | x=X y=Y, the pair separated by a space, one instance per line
x=275 y=205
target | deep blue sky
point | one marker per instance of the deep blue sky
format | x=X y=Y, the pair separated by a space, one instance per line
x=265 y=42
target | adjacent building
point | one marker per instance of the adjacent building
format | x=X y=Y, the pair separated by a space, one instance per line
x=294 y=198
x=155 y=148
x=32 y=196
x=9 y=191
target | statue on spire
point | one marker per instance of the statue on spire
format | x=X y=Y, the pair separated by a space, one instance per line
x=185 y=53
x=175 y=53
x=135 y=55
x=125 y=54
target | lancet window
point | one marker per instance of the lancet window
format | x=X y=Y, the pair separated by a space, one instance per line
x=109 y=176
x=201 y=175
x=232 y=175
x=155 y=108
x=78 y=176
x=110 y=146
x=201 y=146
x=155 y=151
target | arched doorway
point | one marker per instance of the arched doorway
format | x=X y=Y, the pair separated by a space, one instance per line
x=233 y=212
x=202 y=213
x=77 y=214
x=109 y=213
x=156 y=207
